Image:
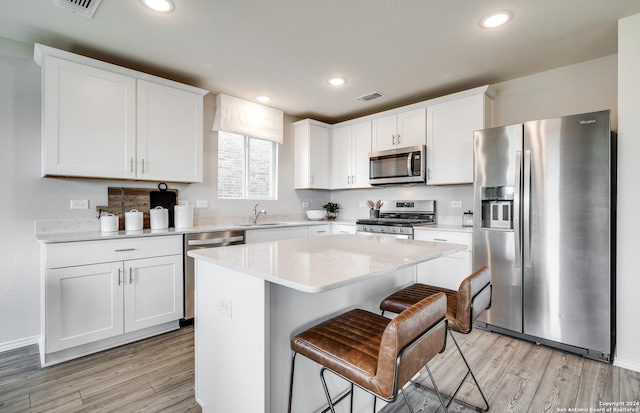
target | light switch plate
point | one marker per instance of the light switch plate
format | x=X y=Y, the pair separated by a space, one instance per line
x=202 y=204
x=456 y=204
x=79 y=204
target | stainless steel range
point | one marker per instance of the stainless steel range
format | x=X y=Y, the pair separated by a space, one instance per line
x=397 y=218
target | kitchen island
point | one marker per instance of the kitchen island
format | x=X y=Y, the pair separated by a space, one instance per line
x=251 y=298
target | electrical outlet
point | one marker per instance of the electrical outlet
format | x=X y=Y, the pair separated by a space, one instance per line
x=362 y=204
x=79 y=204
x=224 y=306
x=305 y=205
x=456 y=204
x=202 y=204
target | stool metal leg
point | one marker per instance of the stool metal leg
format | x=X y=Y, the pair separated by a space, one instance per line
x=328 y=396
x=469 y=372
x=293 y=365
x=435 y=387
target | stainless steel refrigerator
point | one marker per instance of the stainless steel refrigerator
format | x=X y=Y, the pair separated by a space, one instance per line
x=544 y=221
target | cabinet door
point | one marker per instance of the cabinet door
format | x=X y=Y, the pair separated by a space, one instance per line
x=88 y=124
x=450 y=139
x=447 y=271
x=412 y=128
x=301 y=157
x=83 y=304
x=319 y=157
x=340 y=160
x=360 y=148
x=383 y=133
x=169 y=138
x=276 y=234
x=153 y=291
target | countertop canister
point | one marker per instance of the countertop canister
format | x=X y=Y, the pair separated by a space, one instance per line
x=159 y=218
x=133 y=220
x=183 y=216
x=109 y=223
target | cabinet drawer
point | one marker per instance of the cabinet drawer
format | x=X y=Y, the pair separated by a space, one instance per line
x=319 y=230
x=452 y=237
x=70 y=254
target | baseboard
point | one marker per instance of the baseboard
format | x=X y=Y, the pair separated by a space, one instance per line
x=629 y=365
x=23 y=342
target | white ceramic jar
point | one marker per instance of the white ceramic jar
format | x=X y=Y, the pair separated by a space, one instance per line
x=133 y=220
x=109 y=223
x=159 y=218
x=183 y=216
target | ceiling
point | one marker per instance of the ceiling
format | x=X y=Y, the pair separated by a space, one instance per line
x=408 y=50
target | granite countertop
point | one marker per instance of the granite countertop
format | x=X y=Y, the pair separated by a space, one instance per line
x=73 y=236
x=320 y=264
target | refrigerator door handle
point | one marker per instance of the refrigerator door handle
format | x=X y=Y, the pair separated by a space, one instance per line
x=526 y=210
x=516 y=210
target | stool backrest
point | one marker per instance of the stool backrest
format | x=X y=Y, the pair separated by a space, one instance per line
x=409 y=341
x=474 y=296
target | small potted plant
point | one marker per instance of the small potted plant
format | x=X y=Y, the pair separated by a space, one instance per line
x=332 y=210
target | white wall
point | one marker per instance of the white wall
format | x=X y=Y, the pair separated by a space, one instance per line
x=628 y=195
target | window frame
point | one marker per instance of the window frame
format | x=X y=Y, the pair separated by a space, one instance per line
x=246 y=144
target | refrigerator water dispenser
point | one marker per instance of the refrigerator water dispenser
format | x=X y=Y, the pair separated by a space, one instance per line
x=497 y=207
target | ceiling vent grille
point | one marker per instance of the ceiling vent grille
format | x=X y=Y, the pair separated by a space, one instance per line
x=85 y=8
x=369 y=96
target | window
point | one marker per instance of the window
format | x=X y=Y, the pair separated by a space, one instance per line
x=246 y=167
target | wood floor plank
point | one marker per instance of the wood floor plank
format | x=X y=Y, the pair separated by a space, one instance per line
x=558 y=387
x=597 y=384
x=531 y=362
x=63 y=404
x=514 y=395
x=497 y=361
x=629 y=386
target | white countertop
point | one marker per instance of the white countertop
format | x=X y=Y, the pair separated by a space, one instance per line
x=73 y=236
x=320 y=264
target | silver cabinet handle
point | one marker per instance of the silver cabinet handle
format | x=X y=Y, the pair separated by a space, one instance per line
x=398 y=136
x=393 y=139
x=119 y=276
x=131 y=167
x=440 y=239
x=125 y=250
x=143 y=165
x=130 y=275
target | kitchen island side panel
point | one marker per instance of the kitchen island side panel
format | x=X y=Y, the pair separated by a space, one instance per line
x=250 y=351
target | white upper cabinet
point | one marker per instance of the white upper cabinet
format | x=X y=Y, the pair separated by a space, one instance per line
x=89 y=121
x=349 y=160
x=400 y=130
x=450 y=126
x=169 y=138
x=105 y=121
x=311 y=159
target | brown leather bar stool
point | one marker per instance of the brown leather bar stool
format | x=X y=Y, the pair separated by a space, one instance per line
x=463 y=307
x=374 y=353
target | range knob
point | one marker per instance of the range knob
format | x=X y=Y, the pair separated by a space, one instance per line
x=381 y=229
x=393 y=229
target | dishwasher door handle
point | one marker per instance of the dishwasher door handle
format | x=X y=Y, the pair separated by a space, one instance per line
x=214 y=241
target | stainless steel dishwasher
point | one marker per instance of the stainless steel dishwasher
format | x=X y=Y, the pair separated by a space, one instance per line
x=197 y=241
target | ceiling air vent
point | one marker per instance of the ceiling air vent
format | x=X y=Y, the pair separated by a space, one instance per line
x=86 y=8
x=369 y=96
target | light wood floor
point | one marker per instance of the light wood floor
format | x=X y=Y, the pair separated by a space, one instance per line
x=157 y=375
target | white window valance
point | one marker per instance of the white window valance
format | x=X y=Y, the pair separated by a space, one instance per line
x=248 y=118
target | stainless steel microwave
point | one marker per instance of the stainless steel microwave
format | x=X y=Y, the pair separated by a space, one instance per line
x=398 y=166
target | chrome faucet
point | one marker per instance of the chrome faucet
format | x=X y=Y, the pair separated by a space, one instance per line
x=257 y=213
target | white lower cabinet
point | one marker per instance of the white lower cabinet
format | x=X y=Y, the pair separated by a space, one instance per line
x=319 y=230
x=450 y=270
x=88 y=307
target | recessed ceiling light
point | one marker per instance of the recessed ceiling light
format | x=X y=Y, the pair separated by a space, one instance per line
x=164 y=6
x=337 y=81
x=263 y=98
x=495 y=19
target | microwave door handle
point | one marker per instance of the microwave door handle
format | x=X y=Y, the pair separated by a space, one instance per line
x=410 y=164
